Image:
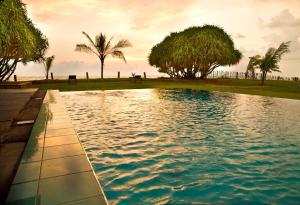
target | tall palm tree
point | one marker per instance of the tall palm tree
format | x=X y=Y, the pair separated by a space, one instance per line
x=48 y=63
x=270 y=62
x=102 y=48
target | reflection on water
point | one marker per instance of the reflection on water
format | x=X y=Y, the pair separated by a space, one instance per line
x=155 y=146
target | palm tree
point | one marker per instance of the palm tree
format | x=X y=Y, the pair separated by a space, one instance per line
x=269 y=63
x=48 y=63
x=102 y=48
x=252 y=65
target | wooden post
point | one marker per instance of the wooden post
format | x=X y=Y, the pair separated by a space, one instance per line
x=52 y=76
x=15 y=78
x=145 y=76
x=118 y=74
x=237 y=75
x=87 y=75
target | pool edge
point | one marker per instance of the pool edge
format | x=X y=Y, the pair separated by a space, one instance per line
x=60 y=179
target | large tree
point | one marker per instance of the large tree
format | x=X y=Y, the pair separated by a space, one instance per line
x=103 y=48
x=20 y=40
x=270 y=61
x=194 y=50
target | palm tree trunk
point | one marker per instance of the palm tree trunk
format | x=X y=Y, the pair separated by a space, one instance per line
x=102 y=65
x=47 y=75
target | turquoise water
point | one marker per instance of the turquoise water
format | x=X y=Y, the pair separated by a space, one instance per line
x=156 y=146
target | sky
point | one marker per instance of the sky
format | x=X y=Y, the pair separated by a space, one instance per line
x=254 y=25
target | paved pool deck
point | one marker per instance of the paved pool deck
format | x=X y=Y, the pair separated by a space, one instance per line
x=54 y=168
x=11 y=102
x=15 y=105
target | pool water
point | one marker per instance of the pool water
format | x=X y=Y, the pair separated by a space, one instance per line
x=159 y=146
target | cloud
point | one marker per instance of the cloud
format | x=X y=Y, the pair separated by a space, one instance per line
x=238 y=35
x=146 y=23
x=284 y=19
x=283 y=27
x=140 y=15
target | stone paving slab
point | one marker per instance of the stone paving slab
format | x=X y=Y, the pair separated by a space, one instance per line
x=12 y=101
x=54 y=167
x=9 y=156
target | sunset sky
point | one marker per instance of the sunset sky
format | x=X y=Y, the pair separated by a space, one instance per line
x=255 y=25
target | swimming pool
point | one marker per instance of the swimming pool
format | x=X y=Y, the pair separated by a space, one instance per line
x=159 y=146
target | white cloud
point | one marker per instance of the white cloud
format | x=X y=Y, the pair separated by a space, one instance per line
x=283 y=20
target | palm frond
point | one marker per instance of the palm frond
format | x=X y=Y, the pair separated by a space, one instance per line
x=282 y=49
x=89 y=38
x=122 y=44
x=118 y=54
x=100 y=41
x=270 y=52
x=254 y=62
x=269 y=63
x=85 y=48
x=108 y=46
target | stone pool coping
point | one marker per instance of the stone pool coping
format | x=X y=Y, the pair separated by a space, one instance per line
x=54 y=168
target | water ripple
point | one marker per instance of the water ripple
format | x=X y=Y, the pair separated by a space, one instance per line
x=156 y=146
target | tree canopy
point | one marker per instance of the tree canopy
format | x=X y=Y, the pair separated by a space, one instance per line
x=20 y=40
x=194 y=50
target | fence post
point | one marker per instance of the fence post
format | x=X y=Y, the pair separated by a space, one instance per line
x=87 y=75
x=52 y=76
x=15 y=78
x=118 y=74
x=145 y=76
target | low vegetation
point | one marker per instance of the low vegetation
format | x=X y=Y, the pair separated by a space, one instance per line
x=282 y=89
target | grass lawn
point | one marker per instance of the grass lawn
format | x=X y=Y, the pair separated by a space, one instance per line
x=282 y=89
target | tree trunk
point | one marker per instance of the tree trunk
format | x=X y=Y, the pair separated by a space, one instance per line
x=253 y=75
x=263 y=77
x=47 y=75
x=8 y=71
x=12 y=70
x=203 y=76
x=102 y=65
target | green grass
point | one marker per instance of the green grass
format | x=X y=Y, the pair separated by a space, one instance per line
x=282 y=89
